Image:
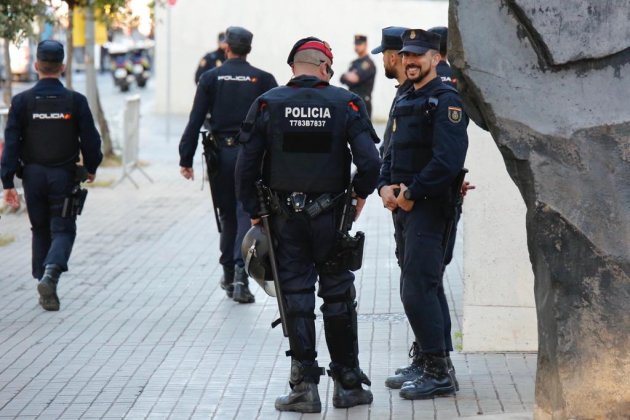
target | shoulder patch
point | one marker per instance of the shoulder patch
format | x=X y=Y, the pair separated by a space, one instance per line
x=365 y=65
x=202 y=63
x=454 y=114
x=218 y=63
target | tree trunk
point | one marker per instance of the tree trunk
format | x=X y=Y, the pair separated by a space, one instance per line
x=69 y=47
x=8 y=90
x=91 y=88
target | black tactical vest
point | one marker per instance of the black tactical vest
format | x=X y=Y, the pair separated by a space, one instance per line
x=412 y=134
x=50 y=137
x=308 y=140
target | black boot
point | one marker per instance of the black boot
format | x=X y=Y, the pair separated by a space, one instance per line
x=451 y=371
x=241 y=289
x=47 y=288
x=303 y=397
x=227 y=281
x=348 y=390
x=435 y=380
x=407 y=373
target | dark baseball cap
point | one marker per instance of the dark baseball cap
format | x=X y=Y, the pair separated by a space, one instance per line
x=418 y=41
x=50 y=50
x=391 y=39
x=221 y=37
x=237 y=36
x=360 y=39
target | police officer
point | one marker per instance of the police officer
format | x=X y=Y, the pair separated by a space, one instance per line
x=47 y=128
x=226 y=93
x=360 y=76
x=212 y=59
x=427 y=152
x=444 y=69
x=391 y=43
x=298 y=138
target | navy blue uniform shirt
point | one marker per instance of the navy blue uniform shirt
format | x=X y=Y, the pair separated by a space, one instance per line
x=208 y=62
x=448 y=147
x=252 y=153
x=225 y=92
x=400 y=90
x=90 y=140
x=366 y=70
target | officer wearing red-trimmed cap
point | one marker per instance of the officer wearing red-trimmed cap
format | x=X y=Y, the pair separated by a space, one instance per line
x=301 y=139
x=226 y=93
x=212 y=59
x=49 y=127
x=360 y=76
x=426 y=155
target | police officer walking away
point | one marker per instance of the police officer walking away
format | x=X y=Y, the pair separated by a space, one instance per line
x=47 y=128
x=226 y=93
x=391 y=43
x=426 y=155
x=443 y=68
x=212 y=59
x=360 y=76
x=300 y=139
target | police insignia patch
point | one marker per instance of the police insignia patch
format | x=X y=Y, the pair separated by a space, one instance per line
x=454 y=114
x=218 y=63
x=202 y=63
x=365 y=65
x=412 y=35
x=394 y=126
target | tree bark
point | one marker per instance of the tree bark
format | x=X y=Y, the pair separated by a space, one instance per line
x=69 y=46
x=8 y=88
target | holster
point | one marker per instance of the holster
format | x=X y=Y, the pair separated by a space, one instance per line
x=347 y=254
x=211 y=153
x=73 y=203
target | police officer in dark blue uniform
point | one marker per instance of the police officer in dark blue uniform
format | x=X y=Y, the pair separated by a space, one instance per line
x=301 y=139
x=427 y=152
x=391 y=43
x=360 y=76
x=444 y=69
x=212 y=59
x=226 y=93
x=48 y=128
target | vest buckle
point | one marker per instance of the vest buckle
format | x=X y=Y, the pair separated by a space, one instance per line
x=297 y=200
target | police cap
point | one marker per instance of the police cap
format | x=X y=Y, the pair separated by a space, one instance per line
x=239 y=37
x=391 y=39
x=360 y=39
x=442 y=31
x=221 y=37
x=310 y=43
x=418 y=41
x=50 y=50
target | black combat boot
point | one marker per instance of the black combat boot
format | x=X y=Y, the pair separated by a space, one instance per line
x=407 y=373
x=303 y=397
x=451 y=371
x=47 y=288
x=348 y=390
x=241 y=289
x=227 y=281
x=435 y=380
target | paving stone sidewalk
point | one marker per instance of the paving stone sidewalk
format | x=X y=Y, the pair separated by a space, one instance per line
x=144 y=330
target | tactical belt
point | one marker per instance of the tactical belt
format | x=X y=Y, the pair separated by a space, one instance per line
x=312 y=204
x=225 y=141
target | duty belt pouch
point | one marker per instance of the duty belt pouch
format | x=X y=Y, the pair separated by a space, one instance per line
x=347 y=255
x=73 y=204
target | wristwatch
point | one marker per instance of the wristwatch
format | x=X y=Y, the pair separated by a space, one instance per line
x=407 y=195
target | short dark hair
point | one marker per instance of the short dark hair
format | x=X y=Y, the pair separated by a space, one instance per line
x=241 y=49
x=49 y=67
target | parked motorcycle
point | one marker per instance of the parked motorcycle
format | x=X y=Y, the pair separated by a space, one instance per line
x=141 y=68
x=122 y=68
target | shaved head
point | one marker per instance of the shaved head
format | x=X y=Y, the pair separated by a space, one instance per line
x=311 y=56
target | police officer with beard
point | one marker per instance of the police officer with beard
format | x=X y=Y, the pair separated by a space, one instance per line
x=300 y=139
x=226 y=93
x=48 y=128
x=360 y=76
x=427 y=152
x=391 y=43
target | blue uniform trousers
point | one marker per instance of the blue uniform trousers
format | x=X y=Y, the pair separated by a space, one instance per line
x=45 y=189
x=420 y=250
x=234 y=220
x=302 y=243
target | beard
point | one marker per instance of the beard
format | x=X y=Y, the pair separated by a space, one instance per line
x=390 y=73
x=423 y=73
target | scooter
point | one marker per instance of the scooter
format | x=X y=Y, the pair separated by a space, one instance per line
x=140 y=66
x=121 y=66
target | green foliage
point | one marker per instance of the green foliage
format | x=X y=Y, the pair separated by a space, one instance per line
x=17 y=16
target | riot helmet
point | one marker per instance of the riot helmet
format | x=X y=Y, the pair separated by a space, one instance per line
x=255 y=251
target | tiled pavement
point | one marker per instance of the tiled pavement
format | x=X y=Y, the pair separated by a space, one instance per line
x=144 y=331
